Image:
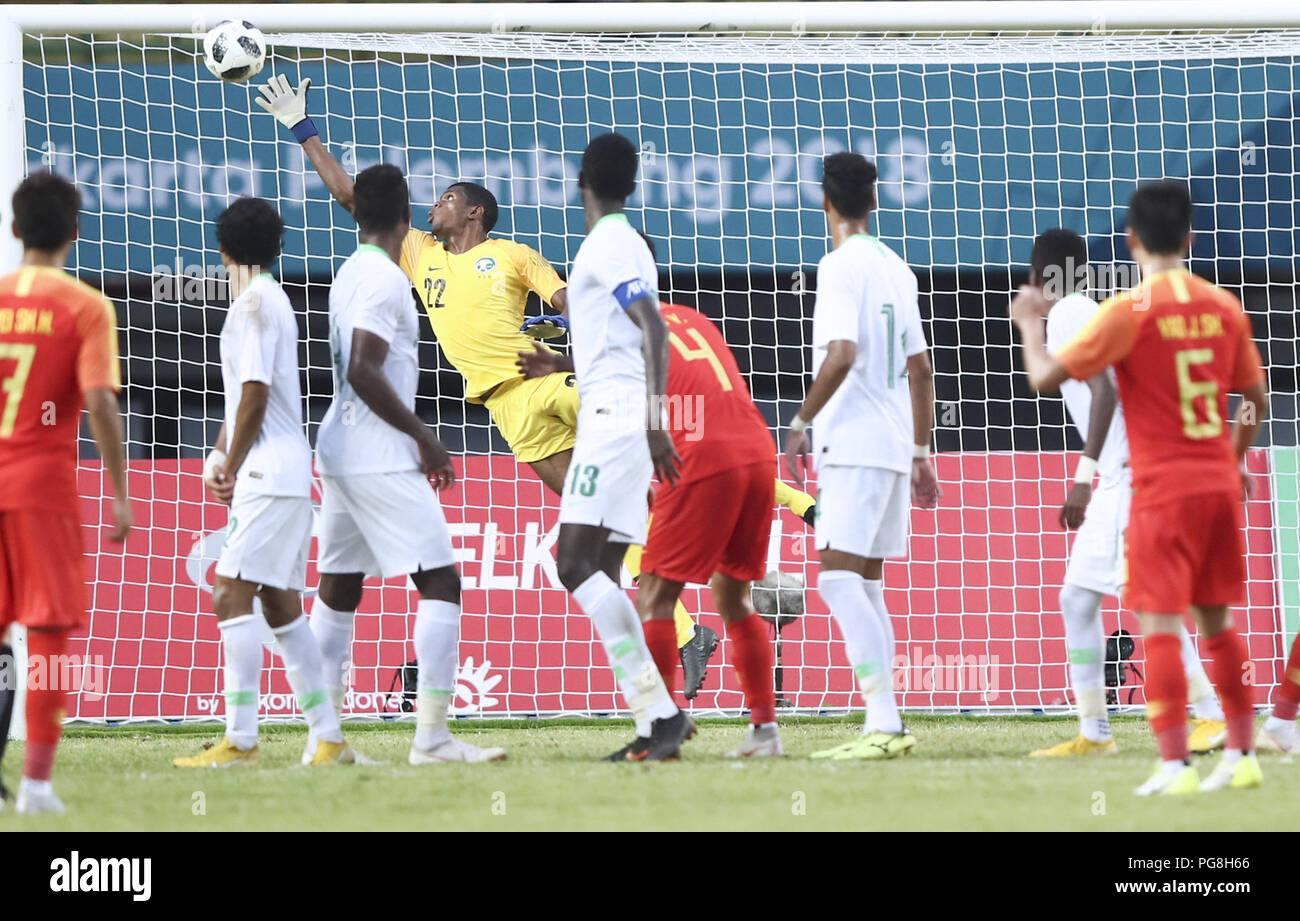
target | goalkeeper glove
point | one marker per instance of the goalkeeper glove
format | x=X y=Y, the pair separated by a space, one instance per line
x=551 y=326
x=288 y=106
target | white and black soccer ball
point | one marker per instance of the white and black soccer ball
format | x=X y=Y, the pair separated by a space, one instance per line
x=234 y=51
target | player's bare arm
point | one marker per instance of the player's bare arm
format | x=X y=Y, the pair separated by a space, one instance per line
x=106 y=427
x=253 y=398
x=1027 y=310
x=366 y=377
x=541 y=361
x=1104 y=401
x=289 y=106
x=920 y=381
x=644 y=312
x=840 y=356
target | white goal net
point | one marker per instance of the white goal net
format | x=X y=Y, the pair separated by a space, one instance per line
x=982 y=140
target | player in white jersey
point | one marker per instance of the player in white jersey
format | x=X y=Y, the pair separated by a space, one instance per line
x=873 y=398
x=620 y=354
x=261 y=468
x=380 y=465
x=1096 y=568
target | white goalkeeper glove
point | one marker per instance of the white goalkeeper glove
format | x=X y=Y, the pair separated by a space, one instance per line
x=289 y=106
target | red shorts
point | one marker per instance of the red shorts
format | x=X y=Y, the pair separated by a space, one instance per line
x=1191 y=551
x=42 y=572
x=720 y=523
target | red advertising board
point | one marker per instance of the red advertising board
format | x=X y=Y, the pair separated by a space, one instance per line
x=974 y=607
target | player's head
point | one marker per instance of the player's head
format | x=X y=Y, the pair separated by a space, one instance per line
x=609 y=168
x=1059 y=263
x=45 y=212
x=848 y=185
x=462 y=204
x=250 y=233
x=1160 y=219
x=381 y=202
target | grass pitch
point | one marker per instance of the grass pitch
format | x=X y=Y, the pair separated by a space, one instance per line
x=967 y=773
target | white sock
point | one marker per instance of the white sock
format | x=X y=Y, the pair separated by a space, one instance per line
x=302 y=660
x=241 y=641
x=875 y=589
x=869 y=647
x=1232 y=755
x=1276 y=724
x=437 y=653
x=613 y=616
x=1085 y=643
x=333 y=632
x=1205 y=703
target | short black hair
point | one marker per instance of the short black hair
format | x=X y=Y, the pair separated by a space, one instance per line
x=380 y=198
x=251 y=232
x=849 y=181
x=45 y=210
x=609 y=166
x=477 y=196
x=1160 y=213
x=1059 y=261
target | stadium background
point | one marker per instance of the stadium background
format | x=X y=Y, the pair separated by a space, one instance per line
x=157 y=148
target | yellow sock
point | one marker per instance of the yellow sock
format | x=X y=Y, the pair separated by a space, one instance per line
x=791 y=498
x=681 y=620
x=685 y=626
x=632 y=560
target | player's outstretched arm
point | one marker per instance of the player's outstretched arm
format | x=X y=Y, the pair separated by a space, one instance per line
x=920 y=383
x=106 y=427
x=1104 y=401
x=367 y=378
x=644 y=312
x=289 y=106
x=840 y=356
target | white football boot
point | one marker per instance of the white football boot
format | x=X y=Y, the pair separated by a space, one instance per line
x=759 y=742
x=453 y=749
x=37 y=798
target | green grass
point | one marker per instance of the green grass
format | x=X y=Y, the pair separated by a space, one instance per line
x=967 y=773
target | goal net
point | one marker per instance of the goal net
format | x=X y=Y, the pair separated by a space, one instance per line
x=983 y=139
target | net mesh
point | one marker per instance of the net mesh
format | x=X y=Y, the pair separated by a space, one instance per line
x=982 y=141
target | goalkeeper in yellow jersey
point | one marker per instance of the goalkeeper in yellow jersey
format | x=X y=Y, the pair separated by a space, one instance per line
x=474 y=289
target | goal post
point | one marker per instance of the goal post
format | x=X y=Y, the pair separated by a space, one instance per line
x=989 y=122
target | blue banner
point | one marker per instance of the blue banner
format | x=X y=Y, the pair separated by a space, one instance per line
x=974 y=159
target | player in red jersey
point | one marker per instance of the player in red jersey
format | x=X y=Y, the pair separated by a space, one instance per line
x=712 y=525
x=58 y=350
x=1179 y=345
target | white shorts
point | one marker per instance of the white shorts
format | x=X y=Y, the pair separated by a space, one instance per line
x=865 y=511
x=607 y=483
x=1097 y=554
x=382 y=524
x=268 y=541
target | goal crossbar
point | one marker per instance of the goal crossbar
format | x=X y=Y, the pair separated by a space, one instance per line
x=692 y=17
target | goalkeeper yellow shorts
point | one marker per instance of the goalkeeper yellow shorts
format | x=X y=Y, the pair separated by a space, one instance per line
x=537 y=417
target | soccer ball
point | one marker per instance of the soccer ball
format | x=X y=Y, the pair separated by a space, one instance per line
x=234 y=51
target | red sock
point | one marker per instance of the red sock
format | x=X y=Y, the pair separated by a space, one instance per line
x=1166 y=693
x=1287 y=699
x=46 y=701
x=751 y=654
x=661 y=637
x=1231 y=674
